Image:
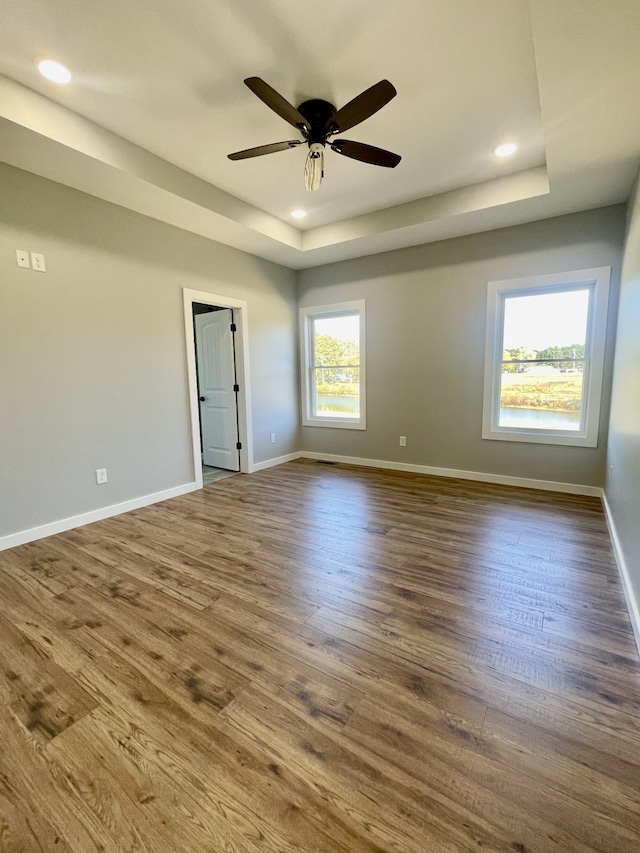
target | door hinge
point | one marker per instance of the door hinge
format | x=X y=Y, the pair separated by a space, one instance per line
x=236 y=388
x=238 y=445
x=234 y=328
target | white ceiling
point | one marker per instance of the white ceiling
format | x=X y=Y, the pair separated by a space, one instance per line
x=158 y=101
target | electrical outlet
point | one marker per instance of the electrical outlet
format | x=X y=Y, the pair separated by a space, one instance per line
x=37 y=262
x=22 y=258
x=403 y=441
x=101 y=476
x=272 y=438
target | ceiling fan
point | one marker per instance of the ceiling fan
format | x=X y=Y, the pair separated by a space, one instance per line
x=319 y=120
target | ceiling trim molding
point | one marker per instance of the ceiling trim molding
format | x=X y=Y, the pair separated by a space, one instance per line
x=54 y=142
x=499 y=191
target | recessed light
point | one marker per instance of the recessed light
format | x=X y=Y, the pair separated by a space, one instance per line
x=54 y=71
x=298 y=214
x=505 y=149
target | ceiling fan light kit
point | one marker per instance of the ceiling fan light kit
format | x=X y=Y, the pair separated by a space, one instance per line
x=317 y=121
x=314 y=167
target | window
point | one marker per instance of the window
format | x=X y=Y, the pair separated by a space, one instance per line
x=544 y=357
x=333 y=369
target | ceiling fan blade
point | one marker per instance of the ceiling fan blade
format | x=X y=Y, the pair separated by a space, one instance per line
x=366 y=153
x=264 y=149
x=276 y=102
x=361 y=107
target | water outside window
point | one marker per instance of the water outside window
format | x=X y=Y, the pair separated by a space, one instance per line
x=336 y=365
x=543 y=360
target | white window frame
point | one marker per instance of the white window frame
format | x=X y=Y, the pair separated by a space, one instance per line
x=598 y=280
x=307 y=315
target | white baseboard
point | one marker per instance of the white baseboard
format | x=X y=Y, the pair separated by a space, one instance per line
x=14 y=539
x=23 y=536
x=633 y=605
x=521 y=482
x=279 y=460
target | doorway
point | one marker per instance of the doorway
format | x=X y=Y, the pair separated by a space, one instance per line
x=217 y=364
x=214 y=332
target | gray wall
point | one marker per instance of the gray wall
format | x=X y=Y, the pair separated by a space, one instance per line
x=92 y=352
x=623 y=490
x=426 y=313
x=92 y=356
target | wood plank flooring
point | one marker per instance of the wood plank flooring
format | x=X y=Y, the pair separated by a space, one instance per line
x=323 y=659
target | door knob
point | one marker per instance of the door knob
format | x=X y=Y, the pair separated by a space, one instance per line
x=202 y=399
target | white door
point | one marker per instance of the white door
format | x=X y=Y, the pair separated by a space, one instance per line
x=216 y=380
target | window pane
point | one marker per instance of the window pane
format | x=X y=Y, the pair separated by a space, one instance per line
x=336 y=352
x=543 y=360
x=541 y=395
x=337 y=392
x=336 y=340
x=543 y=322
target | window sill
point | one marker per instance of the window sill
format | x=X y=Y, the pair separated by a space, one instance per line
x=567 y=439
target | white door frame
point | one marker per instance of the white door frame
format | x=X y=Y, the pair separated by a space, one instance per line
x=245 y=431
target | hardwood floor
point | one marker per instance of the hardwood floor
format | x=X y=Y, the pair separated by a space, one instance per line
x=322 y=659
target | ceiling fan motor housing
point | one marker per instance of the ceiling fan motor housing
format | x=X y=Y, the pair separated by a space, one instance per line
x=317 y=112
